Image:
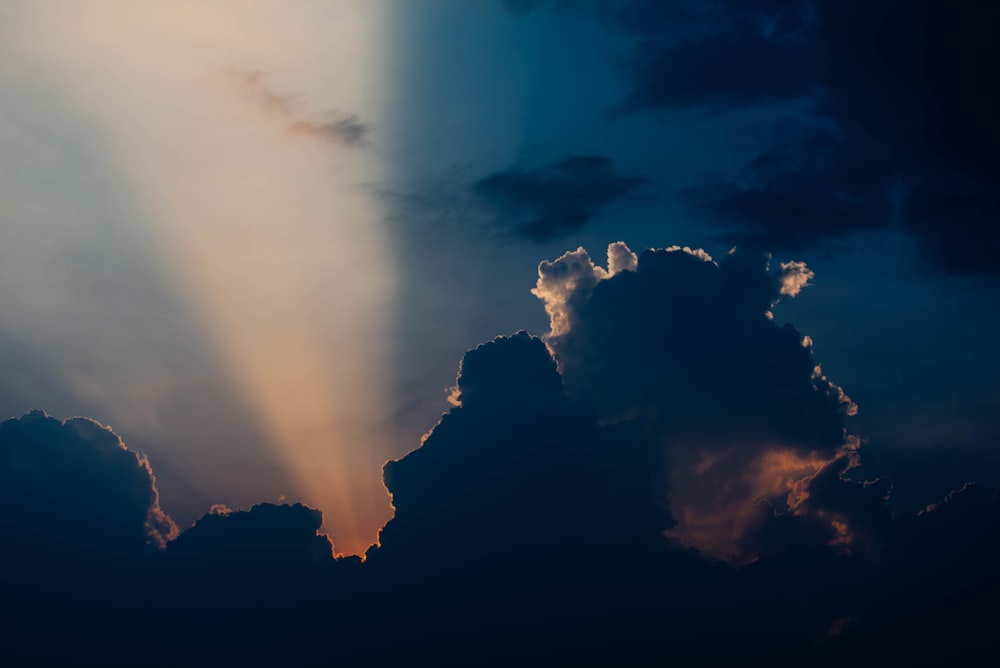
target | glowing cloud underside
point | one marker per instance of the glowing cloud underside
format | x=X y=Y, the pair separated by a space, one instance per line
x=267 y=232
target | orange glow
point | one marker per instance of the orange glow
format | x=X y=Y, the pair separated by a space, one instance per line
x=271 y=237
x=715 y=492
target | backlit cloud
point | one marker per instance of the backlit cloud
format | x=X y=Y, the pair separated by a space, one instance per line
x=74 y=485
x=688 y=347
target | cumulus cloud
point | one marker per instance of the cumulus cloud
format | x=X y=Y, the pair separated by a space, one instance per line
x=544 y=510
x=267 y=535
x=688 y=346
x=73 y=484
x=512 y=471
x=555 y=199
x=572 y=277
x=716 y=420
x=346 y=129
x=792 y=277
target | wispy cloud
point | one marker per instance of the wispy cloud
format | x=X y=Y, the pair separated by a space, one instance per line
x=338 y=127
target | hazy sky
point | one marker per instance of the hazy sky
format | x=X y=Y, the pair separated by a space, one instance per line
x=190 y=250
x=256 y=238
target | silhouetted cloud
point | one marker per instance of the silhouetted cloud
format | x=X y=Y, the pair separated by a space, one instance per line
x=945 y=548
x=346 y=129
x=514 y=471
x=266 y=535
x=689 y=347
x=550 y=512
x=888 y=118
x=557 y=198
x=74 y=485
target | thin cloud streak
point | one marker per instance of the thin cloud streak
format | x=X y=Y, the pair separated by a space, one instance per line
x=346 y=129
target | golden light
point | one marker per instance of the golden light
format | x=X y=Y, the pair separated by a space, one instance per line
x=269 y=234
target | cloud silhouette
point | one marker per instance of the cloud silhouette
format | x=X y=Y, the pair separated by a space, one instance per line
x=571 y=507
x=689 y=347
x=555 y=199
x=516 y=471
x=74 y=486
x=267 y=534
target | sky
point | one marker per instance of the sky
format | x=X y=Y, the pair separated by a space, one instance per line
x=471 y=289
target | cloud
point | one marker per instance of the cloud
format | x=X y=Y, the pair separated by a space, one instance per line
x=885 y=117
x=688 y=347
x=826 y=510
x=945 y=548
x=739 y=66
x=270 y=556
x=555 y=199
x=267 y=534
x=514 y=471
x=75 y=484
x=550 y=510
x=338 y=127
x=811 y=184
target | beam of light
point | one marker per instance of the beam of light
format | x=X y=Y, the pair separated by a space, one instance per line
x=268 y=232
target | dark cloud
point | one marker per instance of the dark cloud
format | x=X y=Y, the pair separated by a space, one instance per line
x=570 y=508
x=689 y=347
x=74 y=485
x=253 y=560
x=82 y=527
x=708 y=55
x=346 y=129
x=811 y=185
x=900 y=120
x=945 y=548
x=267 y=534
x=516 y=470
x=742 y=66
x=539 y=524
x=556 y=199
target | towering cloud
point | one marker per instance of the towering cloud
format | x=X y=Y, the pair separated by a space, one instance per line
x=688 y=348
x=513 y=472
